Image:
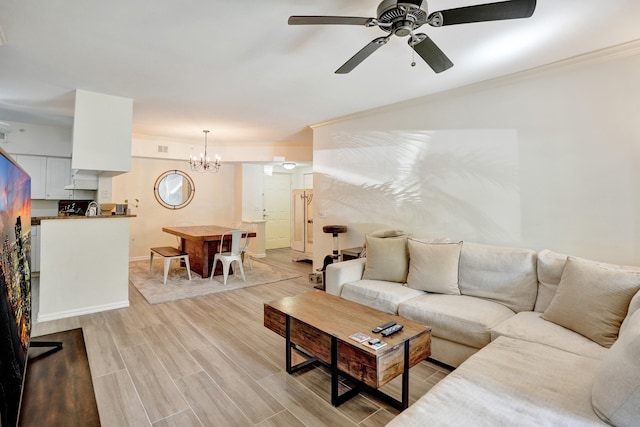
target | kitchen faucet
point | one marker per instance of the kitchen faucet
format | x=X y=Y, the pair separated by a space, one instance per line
x=93 y=209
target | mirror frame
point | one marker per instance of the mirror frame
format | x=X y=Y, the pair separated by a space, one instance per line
x=156 y=189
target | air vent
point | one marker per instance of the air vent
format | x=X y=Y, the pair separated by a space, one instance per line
x=163 y=148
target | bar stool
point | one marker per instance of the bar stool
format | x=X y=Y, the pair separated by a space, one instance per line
x=335 y=230
x=169 y=253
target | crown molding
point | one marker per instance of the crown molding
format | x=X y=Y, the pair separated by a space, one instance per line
x=602 y=55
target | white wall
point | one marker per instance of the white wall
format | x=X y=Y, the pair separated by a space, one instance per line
x=39 y=140
x=544 y=159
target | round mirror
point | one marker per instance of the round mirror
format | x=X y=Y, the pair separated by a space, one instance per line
x=174 y=189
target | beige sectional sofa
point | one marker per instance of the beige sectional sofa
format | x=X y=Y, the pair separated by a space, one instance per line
x=537 y=338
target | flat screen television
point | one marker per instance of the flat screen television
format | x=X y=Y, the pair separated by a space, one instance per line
x=15 y=285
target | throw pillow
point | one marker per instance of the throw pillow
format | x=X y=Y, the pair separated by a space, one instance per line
x=386 y=233
x=615 y=395
x=592 y=299
x=433 y=267
x=387 y=259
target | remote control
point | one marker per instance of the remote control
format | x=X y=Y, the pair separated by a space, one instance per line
x=382 y=327
x=392 y=330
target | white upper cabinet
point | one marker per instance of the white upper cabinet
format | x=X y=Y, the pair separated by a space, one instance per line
x=102 y=126
x=36 y=167
x=49 y=176
x=58 y=176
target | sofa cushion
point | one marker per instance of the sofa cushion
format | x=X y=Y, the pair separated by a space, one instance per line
x=457 y=318
x=634 y=306
x=593 y=298
x=433 y=267
x=501 y=274
x=616 y=388
x=378 y=294
x=550 y=268
x=510 y=383
x=387 y=259
x=529 y=326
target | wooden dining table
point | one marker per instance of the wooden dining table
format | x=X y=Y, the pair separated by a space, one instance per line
x=202 y=242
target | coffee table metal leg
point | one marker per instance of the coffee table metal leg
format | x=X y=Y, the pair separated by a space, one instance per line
x=334 y=371
x=336 y=398
x=311 y=360
x=288 y=343
x=405 y=377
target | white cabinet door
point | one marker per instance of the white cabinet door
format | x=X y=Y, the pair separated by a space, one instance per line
x=36 y=167
x=58 y=176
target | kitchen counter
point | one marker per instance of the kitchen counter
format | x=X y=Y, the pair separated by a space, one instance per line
x=84 y=265
x=36 y=219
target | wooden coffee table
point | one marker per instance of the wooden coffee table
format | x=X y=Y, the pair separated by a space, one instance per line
x=318 y=325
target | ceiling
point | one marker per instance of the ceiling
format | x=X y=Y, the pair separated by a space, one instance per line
x=238 y=69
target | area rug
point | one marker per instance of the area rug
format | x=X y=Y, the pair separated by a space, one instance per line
x=178 y=286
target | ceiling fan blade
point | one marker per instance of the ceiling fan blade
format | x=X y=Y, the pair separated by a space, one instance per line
x=363 y=54
x=513 y=9
x=431 y=53
x=328 y=20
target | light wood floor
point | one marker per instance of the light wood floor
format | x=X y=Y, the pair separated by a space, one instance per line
x=209 y=361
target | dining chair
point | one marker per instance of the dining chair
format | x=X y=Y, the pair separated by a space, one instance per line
x=244 y=248
x=227 y=258
x=170 y=253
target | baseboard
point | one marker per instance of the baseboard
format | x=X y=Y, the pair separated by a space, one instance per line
x=79 y=312
x=139 y=258
x=256 y=255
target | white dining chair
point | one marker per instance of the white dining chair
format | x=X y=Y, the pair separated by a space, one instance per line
x=244 y=247
x=227 y=258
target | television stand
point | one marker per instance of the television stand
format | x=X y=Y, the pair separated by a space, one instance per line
x=52 y=346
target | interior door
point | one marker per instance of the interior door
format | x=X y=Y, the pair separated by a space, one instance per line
x=277 y=210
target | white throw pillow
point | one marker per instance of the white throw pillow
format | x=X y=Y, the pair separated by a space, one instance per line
x=593 y=298
x=615 y=394
x=433 y=267
x=550 y=267
x=387 y=259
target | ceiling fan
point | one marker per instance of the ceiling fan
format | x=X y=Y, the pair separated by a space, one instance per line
x=403 y=17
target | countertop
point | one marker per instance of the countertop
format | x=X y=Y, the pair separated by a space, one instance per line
x=36 y=219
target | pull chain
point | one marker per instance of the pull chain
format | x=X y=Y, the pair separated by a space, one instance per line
x=413 y=49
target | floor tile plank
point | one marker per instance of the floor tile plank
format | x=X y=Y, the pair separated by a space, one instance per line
x=239 y=386
x=210 y=403
x=104 y=356
x=174 y=357
x=118 y=401
x=157 y=391
x=302 y=402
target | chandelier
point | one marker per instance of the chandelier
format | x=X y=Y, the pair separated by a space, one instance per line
x=204 y=163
